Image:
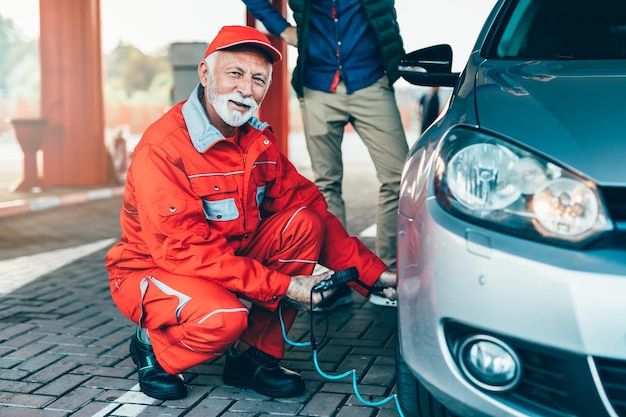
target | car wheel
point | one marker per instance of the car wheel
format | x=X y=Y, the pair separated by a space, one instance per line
x=414 y=399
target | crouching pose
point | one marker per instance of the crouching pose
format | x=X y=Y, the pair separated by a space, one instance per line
x=214 y=214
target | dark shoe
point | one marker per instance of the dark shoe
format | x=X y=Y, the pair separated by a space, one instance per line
x=153 y=380
x=261 y=372
x=341 y=297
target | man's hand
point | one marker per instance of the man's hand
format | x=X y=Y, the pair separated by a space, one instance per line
x=299 y=290
x=387 y=281
x=290 y=36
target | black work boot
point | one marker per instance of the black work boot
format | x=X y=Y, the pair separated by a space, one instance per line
x=261 y=372
x=153 y=380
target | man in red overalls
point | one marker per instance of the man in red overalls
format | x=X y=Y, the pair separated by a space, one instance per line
x=214 y=214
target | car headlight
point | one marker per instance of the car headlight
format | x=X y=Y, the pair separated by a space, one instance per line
x=494 y=183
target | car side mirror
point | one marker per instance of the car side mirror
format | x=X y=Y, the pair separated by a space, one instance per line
x=430 y=66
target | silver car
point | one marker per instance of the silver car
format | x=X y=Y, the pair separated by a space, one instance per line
x=512 y=220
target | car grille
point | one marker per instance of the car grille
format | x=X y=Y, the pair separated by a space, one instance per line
x=613 y=376
x=555 y=383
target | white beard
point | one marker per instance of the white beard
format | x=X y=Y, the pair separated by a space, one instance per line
x=232 y=118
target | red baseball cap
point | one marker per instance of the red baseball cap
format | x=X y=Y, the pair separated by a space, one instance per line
x=230 y=36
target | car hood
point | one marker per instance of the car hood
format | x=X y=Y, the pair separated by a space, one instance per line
x=571 y=112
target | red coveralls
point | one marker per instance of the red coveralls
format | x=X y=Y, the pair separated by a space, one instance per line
x=207 y=221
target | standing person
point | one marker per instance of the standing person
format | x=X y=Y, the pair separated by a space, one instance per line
x=428 y=108
x=213 y=213
x=348 y=56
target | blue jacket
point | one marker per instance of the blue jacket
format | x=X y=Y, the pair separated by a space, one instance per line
x=361 y=44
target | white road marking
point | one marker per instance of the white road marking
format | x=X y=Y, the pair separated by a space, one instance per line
x=369 y=232
x=22 y=270
x=105 y=411
x=129 y=410
x=135 y=396
x=134 y=403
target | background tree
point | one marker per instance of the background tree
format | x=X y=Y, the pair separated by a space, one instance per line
x=137 y=86
x=19 y=62
x=131 y=73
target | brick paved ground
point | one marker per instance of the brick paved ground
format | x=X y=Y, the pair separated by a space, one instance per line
x=64 y=345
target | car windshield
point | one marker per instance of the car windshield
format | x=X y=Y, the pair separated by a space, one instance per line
x=562 y=29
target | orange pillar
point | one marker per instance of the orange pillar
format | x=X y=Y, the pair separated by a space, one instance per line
x=74 y=151
x=275 y=107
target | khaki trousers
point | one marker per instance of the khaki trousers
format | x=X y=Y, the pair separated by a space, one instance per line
x=374 y=114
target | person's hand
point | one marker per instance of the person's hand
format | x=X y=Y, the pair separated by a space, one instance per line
x=387 y=282
x=299 y=290
x=290 y=36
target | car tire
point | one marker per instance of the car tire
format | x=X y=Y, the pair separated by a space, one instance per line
x=414 y=399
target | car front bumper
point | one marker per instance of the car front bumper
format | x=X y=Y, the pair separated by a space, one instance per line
x=565 y=306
